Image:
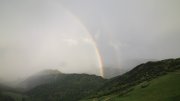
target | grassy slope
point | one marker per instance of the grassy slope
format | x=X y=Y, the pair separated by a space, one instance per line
x=164 y=88
x=15 y=96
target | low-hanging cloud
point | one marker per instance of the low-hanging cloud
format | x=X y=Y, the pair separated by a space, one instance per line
x=41 y=34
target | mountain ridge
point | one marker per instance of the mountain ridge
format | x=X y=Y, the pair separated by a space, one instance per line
x=83 y=87
x=141 y=73
x=40 y=78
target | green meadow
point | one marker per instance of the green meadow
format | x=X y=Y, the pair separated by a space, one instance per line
x=164 y=88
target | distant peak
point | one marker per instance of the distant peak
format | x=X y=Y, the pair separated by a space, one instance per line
x=49 y=72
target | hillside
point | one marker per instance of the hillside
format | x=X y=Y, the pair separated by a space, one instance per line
x=67 y=87
x=164 y=88
x=4 y=96
x=157 y=81
x=144 y=82
x=40 y=78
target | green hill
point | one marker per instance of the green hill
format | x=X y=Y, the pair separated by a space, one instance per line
x=157 y=81
x=67 y=87
x=40 y=78
x=164 y=88
x=151 y=81
x=51 y=85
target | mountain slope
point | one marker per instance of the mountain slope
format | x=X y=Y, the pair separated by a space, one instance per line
x=67 y=87
x=157 y=81
x=164 y=88
x=147 y=72
x=43 y=77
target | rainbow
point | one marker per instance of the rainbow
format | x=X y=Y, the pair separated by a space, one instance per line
x=100 y=61
x=93 y=41
x=98 y=55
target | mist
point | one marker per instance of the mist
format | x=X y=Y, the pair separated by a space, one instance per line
x=60 y=34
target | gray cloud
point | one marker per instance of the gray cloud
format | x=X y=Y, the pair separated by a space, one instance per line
x=40 y=34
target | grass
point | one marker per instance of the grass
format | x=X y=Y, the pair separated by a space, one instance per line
x=164 y=88
x=16 y=96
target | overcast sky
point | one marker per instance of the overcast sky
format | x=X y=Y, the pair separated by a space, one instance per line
x=60 y=34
